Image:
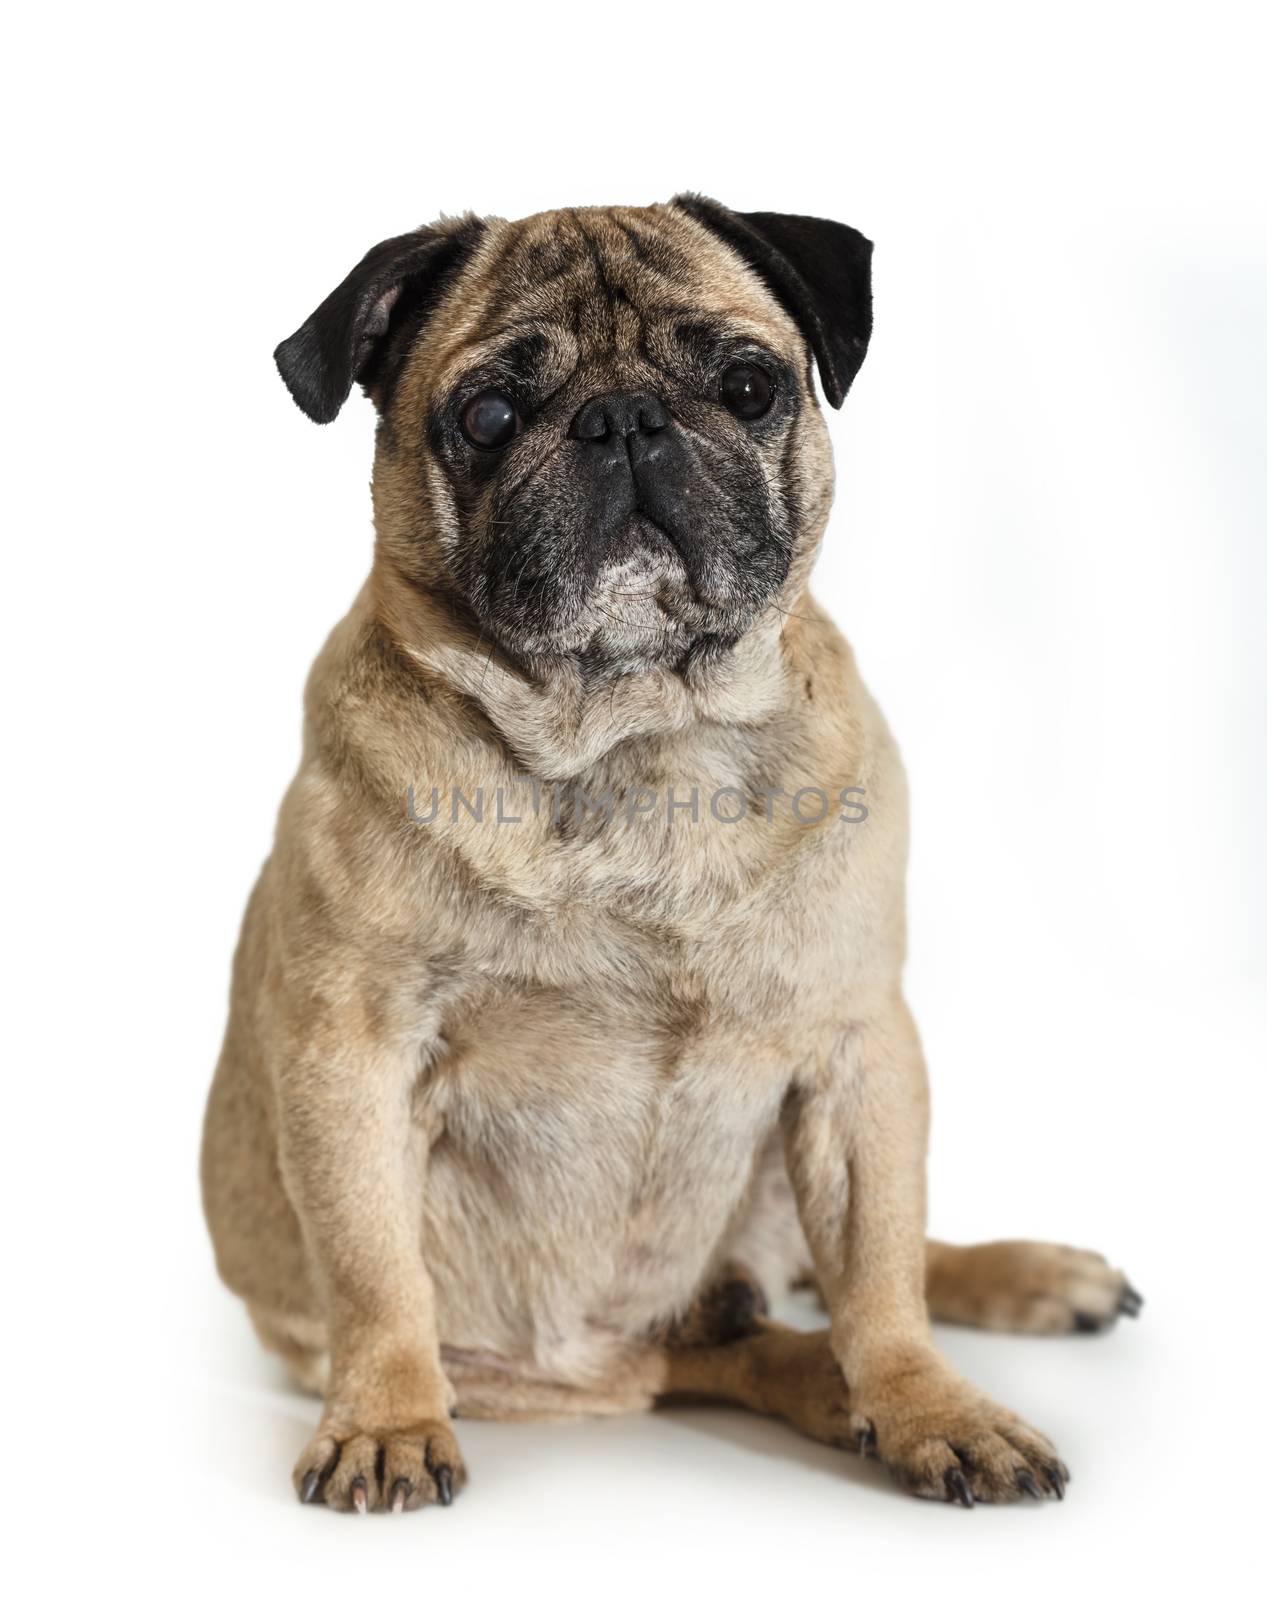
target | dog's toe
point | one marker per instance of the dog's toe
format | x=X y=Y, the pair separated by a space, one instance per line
x=399 y=1470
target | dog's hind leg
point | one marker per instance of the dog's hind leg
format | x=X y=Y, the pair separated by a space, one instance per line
x=493 y=1391
x=300 y=1341
x=1010 y=1286
x=1022 y=1286
x=758 y=1365
x=723 y=1351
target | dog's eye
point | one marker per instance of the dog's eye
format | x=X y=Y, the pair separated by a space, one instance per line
x=746 y=390
x=490 y=420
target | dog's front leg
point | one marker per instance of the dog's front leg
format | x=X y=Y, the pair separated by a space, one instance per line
x=354 y=1162
x=856 y=1131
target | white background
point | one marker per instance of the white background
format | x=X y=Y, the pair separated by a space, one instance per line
x=1048 y=550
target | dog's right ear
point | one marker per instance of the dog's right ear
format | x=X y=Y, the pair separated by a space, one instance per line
x=346 y=337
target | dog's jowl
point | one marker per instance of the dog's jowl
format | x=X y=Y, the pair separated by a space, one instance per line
x=532 y=1099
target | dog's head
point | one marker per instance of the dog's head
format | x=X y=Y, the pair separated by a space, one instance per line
x=598 y=431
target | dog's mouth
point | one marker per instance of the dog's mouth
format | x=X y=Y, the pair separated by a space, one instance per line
x=642 y=524
x=645 y=585
x=647 y=563
x=640 y=532
x=645 y=582
x=646 y=603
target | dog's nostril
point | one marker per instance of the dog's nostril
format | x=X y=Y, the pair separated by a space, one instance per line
x=652 y=416
x=618 y=416
x=592 y=421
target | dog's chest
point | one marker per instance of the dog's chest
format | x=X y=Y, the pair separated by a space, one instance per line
x=639 y=1004
x=652 y=890
x=605 y=1103
x=605 y=1147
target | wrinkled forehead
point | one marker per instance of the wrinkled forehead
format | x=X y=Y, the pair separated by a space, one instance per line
x=607 y=279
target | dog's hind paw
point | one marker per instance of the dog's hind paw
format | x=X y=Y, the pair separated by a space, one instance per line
x=1021 y=1286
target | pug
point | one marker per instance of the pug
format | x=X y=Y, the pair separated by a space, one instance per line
x=567 y=1024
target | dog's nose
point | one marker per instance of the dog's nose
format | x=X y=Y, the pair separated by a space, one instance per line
x=616 y=417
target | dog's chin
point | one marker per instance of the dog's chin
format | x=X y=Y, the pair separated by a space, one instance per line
x=640 y=611
x=643 y=604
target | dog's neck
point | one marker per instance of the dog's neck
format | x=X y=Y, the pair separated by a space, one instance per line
x=556 y=718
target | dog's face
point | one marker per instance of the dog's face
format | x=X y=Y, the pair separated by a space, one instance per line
x=599 y=434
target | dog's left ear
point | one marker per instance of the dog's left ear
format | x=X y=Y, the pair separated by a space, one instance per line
x=818 y=271
x=346 y=338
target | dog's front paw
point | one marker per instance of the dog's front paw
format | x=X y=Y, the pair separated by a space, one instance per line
x=379 y=1469
x=944 y=1440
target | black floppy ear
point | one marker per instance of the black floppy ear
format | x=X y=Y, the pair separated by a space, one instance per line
x=818 y=271
x=343 y=339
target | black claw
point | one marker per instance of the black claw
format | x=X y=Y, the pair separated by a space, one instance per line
x=309 y=1487
x=1131 y=1303
x=1056 y=1478
x=865 y=1439
x=957 y=1488
x=1083 y=1322
x=444 y=1485
x=1028 y=1484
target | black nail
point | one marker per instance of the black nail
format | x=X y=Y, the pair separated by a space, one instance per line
x=444 y=1485
x=1085 y=1323
x=308 y=1490
x=1055 y=1481
x=1028 y=1484
x=957 y=1487
x=1131 y=1303
x=865 y=1440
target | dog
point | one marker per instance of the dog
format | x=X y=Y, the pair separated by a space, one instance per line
x=566 y=1024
